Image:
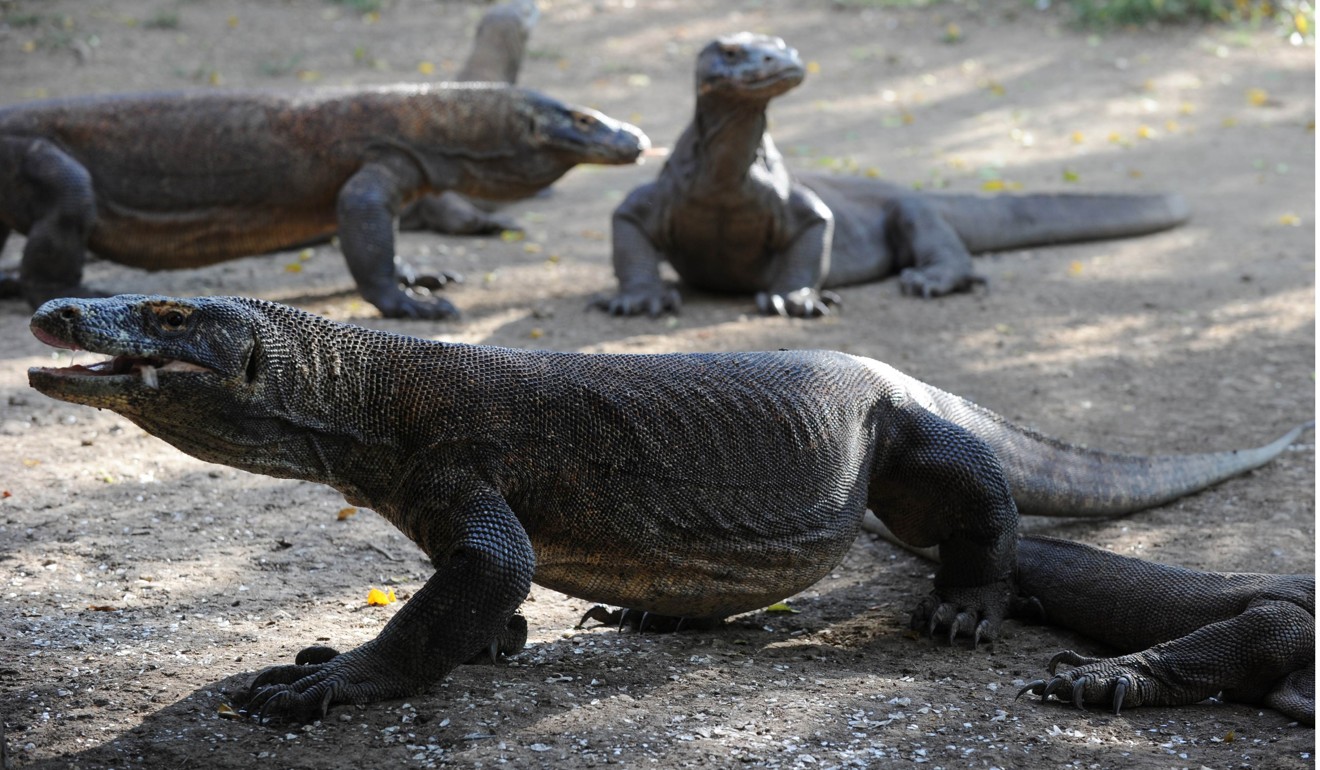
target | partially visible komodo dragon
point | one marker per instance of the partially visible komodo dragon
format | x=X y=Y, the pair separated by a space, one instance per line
x=1187 y=634
x=728 y=216
x=682 y=485
x=496 y=56
x=179 y=180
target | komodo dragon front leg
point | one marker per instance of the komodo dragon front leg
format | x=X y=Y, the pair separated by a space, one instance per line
x=804 y=261
x=368 y=203
x=48 y=193
x=484 y=565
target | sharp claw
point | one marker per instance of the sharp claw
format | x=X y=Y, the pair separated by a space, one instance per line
x=264 y=714
x=1120 y=690
x=325 y=701
x=494 y=650
x=644 y=622
x=1078 y=691
x=1051 y=687
x=1030 y=688
x=679 y=626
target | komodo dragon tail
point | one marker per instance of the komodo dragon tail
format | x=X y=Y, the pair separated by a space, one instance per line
x=1051 y=478
x=1000 y=222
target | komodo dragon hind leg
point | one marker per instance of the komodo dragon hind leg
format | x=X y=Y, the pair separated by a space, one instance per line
x=639 y=620
x=1253 y=657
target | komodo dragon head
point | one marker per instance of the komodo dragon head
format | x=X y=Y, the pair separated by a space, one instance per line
x=231 y=380
x=757 y=67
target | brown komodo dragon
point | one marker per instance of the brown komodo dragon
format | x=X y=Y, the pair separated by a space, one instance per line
x=729 y=217
x=1187 y=634
x=681 y=485
x=178 y=180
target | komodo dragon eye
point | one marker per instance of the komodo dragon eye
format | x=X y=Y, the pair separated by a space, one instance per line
x=583 y=122
x=730 y=55
x=173 y=320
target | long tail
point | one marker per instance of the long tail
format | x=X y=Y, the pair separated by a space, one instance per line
x=999 y=222
x=1051 y=478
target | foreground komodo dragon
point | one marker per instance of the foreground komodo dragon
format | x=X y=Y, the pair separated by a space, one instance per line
x=1187 y=634
x=496 y=56
x=726 y=213
x=684 y=485
x=178 y=180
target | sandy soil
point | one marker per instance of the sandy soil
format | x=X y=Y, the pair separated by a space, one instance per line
x=140 y=586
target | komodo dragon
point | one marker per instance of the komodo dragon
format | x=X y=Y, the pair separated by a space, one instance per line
x=685 y=485
x=728 y=216
x=1187 y=634
x=496 y=56
x=177 y=180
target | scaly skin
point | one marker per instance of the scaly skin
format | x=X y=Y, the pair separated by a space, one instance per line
x=729 y=217
x=1188 y=634
x=682 y=485
x=177 y=180
x=496 y=56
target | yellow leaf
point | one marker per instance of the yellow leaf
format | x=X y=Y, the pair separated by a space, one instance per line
x=226 y=711
x=371 y=18
x=952 y=33
x=1075 y=268
x=29 y=462
x=1186 y=108
x=1114 y=137
x=532 y=248
x=28 y=46
x=536 y=334
x=1171 y=126
x=213 y=78
x=232 y=21
x=992 y=185
x=1299 y=19
x=305 y=255
x=782 y=607
x=512 y=236
x=378 y=598
x=1078 y=137
x=308 y=76
x=1229 y=122
x=1257 y=97
x=293 y=267
x=813 y=68
x=872 y=172
x=1071 y=176
x=345 y=513
x=1291 y=220
x=426 y=68
x=1135 y=173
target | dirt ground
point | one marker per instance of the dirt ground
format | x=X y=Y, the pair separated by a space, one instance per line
x=140 y=586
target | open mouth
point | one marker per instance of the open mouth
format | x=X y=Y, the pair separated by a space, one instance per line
x=145 y=368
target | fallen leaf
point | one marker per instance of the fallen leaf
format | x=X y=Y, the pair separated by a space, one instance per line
x=426 y=68
x=536 y=334
x=29 y=462
x=379 y=598
x=532 y=248
x=1145 y=132
x=1075 y=268
x=6 y=494
x=1290 y=220
x=232 y=21
x=782 y=607
x=225 y=711
x=512 y=236
x=346 y=513
x=293 y=267
x=1071 y=176
x=1078 y=137
x=993 y=185
x=813 y=68
x=1257 y=97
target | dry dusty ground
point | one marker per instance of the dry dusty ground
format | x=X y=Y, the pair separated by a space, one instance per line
x=1198 y=338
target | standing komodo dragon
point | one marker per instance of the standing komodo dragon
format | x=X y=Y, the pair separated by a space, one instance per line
x=178 y=180
x=726 y=213
x=684 y=485
x=1187 y=634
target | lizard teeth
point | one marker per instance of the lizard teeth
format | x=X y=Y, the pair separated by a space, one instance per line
x=149 y=376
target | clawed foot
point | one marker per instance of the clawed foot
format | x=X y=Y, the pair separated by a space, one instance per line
x=929 y=283
x=976 y=612
x=1109 y=681
x=639 y=620
x=653 y=302
x=803 y=303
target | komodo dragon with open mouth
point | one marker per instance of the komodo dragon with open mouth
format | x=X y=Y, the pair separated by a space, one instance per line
x=729 y=217
x=680 y=485
x=177 y=180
